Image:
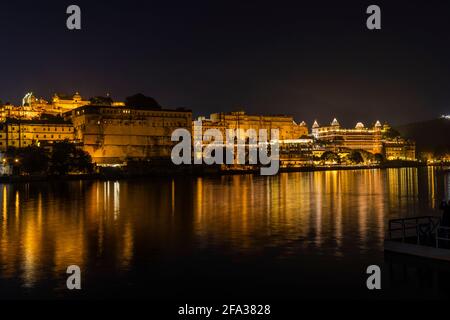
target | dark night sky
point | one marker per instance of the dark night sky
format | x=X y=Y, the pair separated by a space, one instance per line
x=311 y=59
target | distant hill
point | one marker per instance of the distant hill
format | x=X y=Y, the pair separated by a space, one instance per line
x=430 y=136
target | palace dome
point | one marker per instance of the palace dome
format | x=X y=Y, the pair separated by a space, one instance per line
x=335 y=122
x=76 y=96
x=359 y=125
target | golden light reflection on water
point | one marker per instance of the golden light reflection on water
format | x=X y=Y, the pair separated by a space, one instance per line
x=47 y=227
x=43 y=235
x=325 y=208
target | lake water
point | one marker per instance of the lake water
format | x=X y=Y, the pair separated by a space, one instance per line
x=291 y=236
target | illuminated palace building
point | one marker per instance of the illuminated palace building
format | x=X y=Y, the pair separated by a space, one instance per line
x=113 y=135
x=23 y=133
x=110 y=132
x=288 y=128
x=374 y=140
x=295 y=145
x=33 y=107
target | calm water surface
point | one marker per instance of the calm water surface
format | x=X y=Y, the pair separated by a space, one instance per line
x=292 y=236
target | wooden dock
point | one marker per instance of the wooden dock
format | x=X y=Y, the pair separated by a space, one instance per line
x=417 y=250
x=420 y=236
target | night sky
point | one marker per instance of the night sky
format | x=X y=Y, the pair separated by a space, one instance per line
x=311 y=59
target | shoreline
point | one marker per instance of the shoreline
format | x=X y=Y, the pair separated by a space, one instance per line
x=202 y=171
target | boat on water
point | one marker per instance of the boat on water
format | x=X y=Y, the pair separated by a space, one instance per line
x=421 y=236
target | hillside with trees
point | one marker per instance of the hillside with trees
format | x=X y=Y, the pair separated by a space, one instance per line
x=432 y=136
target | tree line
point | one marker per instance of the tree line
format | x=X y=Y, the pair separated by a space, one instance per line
x=353 y=157
x=60 y=158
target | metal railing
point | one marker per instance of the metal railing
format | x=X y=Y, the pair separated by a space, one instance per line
x=419 y=227
x=440 y=233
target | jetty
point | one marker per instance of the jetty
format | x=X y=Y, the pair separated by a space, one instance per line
x=421 y=236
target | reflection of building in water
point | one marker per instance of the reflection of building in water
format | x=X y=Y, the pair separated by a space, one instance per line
x=111 y=223
x=447 y=186
x=402 y=186
x=116 y=199
x=39 y=238
x=433 y=186
x=297 y=211
x=431 y=183
x=334 y=213
x=8 y=258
